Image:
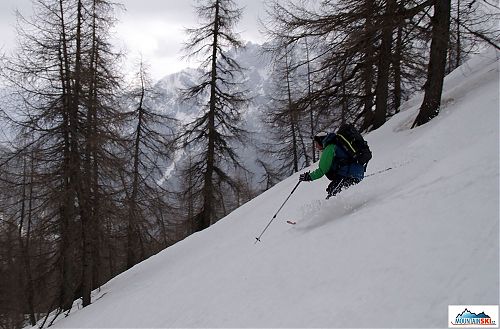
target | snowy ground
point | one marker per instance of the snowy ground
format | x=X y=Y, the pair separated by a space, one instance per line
x=393 y=251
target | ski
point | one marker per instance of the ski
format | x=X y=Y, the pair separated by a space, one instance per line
x=291 y=222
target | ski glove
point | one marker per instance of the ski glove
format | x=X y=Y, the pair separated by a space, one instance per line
x=305 y=177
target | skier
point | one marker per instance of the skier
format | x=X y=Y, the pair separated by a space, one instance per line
x=336 y=164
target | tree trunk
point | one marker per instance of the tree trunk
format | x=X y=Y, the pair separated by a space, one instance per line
x=293 y=118
x=92 y=159
x=82 y=181
x=133 y=234
x=368 y=65
x=311 y=107
x=26 y=278
x=437 y=63
x=397 y=58
x=382 y=88
x=67 y=208
x=458 y=61
x=208 y=189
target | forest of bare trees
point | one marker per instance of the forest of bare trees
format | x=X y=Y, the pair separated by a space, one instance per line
x=84 y=189
x=363 y=59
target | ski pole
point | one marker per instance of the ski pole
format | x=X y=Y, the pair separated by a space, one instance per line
x=379 y=172
x=258 y=238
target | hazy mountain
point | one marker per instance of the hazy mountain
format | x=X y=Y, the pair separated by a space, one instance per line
x=256 y=78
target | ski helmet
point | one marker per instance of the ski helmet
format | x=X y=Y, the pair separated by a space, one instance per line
x=319 y=137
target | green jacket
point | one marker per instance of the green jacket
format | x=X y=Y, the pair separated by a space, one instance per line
x=325 y=162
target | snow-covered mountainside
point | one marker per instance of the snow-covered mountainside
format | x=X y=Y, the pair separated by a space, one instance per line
x=256 y=67
x=392 y=251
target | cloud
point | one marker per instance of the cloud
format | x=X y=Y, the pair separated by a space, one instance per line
x=157 y=41
x=8 y=8
x=151 y=28
x=8 y=21
x=174 y=11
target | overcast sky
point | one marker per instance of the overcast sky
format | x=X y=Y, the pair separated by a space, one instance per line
x=151 y=27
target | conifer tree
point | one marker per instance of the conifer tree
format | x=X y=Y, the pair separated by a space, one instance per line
x=221 y=98
x=150 y=153
x=284 y=118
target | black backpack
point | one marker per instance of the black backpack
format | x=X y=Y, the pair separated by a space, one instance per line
x=351 y=141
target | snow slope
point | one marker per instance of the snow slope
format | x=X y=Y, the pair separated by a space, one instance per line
x=393 y=251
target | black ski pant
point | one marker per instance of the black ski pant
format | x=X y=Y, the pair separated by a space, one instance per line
x=339 y=183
